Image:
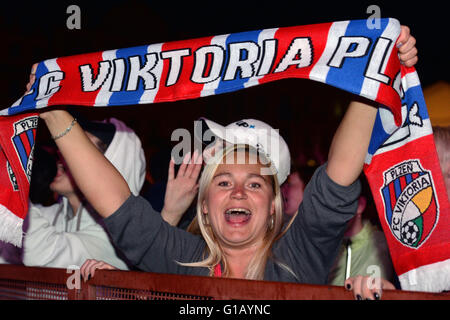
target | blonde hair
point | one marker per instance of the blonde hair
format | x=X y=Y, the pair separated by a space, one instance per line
x=214 y=253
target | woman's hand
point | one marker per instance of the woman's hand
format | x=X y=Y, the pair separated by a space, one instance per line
x=367 y=287
x=406 y=45
x=89 y=266
x=44 y=115
x=56 y=120
x=182 y=189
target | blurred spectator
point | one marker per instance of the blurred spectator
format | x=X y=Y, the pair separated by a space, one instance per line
x=44 y=170
x=442 y=141
x=363 y=239
x=364 y=250
x=294 y=185
x=158 y=167
x=70 y=231
x=292 y=191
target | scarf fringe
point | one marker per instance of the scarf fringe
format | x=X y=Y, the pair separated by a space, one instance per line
x=10 y=227
x=433 y=277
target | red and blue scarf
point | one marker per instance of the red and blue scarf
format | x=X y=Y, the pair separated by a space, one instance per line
x=402 y=166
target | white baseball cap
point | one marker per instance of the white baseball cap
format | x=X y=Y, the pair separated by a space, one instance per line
x=257 y=134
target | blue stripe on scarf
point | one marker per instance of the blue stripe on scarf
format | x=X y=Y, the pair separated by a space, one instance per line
x=408 y=178
x=129 y=97
x=30 y=137
x=379 y=136
x=397 y=188
x=352 y=67
x=415 y=95
x=238 y=83
x=21 y=150
x=387 y=203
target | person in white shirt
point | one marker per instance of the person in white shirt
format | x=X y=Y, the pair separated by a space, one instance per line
x=70 y=232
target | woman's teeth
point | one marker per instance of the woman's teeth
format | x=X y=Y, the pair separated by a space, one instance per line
x=237 y=215
x=238 y=211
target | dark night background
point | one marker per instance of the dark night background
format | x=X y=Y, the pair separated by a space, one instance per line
x=306 y=112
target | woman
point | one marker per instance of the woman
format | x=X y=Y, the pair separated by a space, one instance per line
x=239 y=209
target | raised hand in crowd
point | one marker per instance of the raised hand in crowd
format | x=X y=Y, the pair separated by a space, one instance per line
x=182 y=189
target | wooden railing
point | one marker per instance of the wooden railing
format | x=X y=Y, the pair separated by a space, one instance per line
x=19 y=282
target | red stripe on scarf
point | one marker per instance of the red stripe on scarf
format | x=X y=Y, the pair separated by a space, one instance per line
x=71 y=91
x=284 y=36
x=217 y=271
x=184 y=86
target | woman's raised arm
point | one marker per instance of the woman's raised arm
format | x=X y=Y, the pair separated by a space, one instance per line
x=100 y=182
x=351 y=140
x=350 y=143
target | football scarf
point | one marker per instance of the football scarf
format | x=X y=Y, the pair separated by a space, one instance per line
x=402 y=166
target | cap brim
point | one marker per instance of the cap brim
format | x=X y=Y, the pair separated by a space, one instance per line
x=102 y=130
x=204 y=125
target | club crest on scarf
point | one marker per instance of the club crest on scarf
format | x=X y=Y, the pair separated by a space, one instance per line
x=23 y=142
x=410 y=202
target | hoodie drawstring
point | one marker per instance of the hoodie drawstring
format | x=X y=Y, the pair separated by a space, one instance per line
x=348 y=244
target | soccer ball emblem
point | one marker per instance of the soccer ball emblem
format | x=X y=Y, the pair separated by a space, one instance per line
x=410 y=232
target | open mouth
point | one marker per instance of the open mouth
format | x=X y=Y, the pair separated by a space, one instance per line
x=237 y=215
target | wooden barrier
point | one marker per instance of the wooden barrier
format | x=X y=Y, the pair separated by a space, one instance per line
x=30 y=283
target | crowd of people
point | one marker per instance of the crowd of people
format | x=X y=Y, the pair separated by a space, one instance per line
x=213 y=214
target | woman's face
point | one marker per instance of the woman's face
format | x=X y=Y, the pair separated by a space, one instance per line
x=239 y=202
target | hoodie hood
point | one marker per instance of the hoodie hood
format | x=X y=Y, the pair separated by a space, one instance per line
x=125 y=152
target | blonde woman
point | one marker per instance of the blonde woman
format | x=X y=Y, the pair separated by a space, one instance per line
x=239 y=207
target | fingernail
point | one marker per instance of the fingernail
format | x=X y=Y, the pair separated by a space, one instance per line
x=358 y=297
x=195 y=156
x=399 y=44
x=377 y=296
